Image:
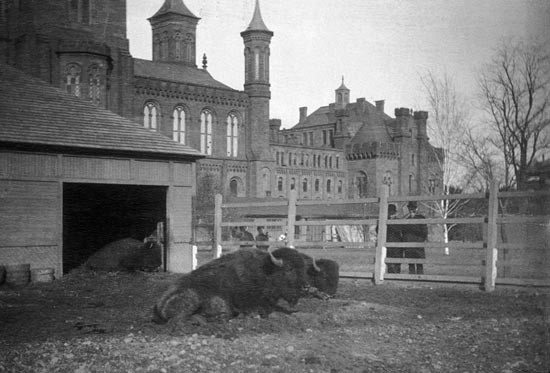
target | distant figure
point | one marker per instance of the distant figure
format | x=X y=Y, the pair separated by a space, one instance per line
x=415 y=233
x=245 y=235
x=262 y=236
x=394 y=233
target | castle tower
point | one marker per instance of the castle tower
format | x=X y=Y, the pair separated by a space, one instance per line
x=341 y=100
x=341 y=96
x=174 y=34
x=257 y=38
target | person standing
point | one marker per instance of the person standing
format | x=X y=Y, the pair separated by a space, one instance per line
x=394 y=233
x=245 y=235
x=262 y=236
x=415 y=233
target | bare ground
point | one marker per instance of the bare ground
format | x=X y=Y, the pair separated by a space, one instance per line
x=88 y=322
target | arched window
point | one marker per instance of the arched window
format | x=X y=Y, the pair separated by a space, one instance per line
x=232 y=124
x=206 y=132
x=164 y=46
x=340 y=186
x=178 y=124
x=95 y=85
x=360 y=183
x=316 y=185
x=304 y=185
x=189 y=47
x=178 y=47
x=256 y=64
x=337 y=162
x=73 y=74
x=151 y=115
x=329 y=184
x=234 y=188
x=280 y=184
x=292 y=184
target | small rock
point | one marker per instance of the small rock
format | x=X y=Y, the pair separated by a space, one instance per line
x=290 y=349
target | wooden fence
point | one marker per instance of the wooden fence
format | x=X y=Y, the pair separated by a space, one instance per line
x=489 y=260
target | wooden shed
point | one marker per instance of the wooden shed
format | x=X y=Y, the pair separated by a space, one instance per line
x=74 y=177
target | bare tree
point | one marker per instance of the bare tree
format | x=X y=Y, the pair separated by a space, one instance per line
x=515 y=90
x=446 y=128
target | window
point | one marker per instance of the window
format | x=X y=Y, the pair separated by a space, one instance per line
x=337 y=162
x=432 y=186
x=340 y=186
x=388 y=180
x=325 y=137
x=329 y=183
x=304 y=139
x=151 y=114
x=277 y=160
x=256 y=64
x=72 y=79
x=178 y=126
x=410 y=183
x=316 y=185
x=232 y=123
x=280 y=184
x=94 y=84
x=80 y=11
x=412 y=159
x=304 y=185
x=360 y=184
x=311 y=139
x=206 y=132
x=292 y=184
x=234 y=188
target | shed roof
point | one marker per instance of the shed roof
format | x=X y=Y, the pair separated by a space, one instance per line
x=178 y=73
x=37 y=114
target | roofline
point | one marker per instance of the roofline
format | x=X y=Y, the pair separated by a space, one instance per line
x=74 y=150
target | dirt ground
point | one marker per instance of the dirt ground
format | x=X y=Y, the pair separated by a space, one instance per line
x=91 y=322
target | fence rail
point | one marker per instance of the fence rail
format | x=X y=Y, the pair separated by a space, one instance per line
x=489 y=261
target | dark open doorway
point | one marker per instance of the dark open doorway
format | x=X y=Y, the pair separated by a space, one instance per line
x=96 y=214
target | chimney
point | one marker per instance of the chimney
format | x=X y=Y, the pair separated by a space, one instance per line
x=380 y=105
x=303 y=114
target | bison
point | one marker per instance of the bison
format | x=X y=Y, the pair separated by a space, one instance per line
x=244 y=281
x=127 y=254
x=323 y=275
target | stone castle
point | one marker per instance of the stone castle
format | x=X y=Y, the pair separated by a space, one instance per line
x=341 y=150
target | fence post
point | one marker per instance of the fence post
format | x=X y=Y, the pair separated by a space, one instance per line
x=217 y=226
x=291 y=218
x=492 y=234
x=380 y=258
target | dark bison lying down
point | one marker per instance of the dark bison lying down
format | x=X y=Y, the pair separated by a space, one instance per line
x=127 y=254
x=322 y=274
x=244 y=281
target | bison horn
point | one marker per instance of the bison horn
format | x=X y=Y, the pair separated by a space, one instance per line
x=275 y=261
x=315 y=266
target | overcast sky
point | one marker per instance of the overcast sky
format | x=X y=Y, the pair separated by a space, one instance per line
x=381 y=47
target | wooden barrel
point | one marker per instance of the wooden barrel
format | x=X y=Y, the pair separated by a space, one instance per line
x=18 y=274
x=42 y=274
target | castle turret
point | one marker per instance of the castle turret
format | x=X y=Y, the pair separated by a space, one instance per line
x=341 y=96
x=174 y=34
x=257 y=38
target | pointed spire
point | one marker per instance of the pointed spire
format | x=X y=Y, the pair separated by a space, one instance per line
x=343 y=86
x=257 y=23
x=176 y=7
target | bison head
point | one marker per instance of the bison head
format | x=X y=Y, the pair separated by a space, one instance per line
x=286 y=275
